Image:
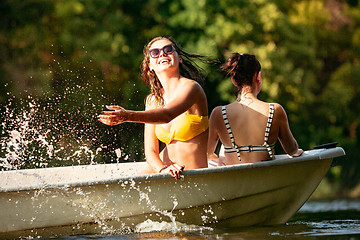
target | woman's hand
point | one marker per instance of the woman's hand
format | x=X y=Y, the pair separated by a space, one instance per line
x=174 y=170
x=213 y=157
x=114 y=117
x=298 y=153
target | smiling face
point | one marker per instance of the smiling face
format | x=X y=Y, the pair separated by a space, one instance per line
x=164 y=61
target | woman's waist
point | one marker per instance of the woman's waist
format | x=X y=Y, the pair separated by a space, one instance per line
x=192 y=146
x=190 y=161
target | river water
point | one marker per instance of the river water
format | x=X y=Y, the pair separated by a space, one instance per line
x=337 y=219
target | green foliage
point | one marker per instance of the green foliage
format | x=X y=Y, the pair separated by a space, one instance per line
x=76 y=56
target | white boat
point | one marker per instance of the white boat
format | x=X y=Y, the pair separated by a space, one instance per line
x=73 y=200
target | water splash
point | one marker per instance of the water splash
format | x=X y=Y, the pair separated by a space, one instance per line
x=54 y=123
x=154 y=226
x=144 y=196
x=38 y=133
x=22 y=137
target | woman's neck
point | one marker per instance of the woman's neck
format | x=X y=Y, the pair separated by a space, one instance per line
x=246 y=97
x=170 y=83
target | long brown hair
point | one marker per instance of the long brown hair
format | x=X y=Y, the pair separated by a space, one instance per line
x=188 y=68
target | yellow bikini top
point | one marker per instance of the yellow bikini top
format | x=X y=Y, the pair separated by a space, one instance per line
x=183 y=128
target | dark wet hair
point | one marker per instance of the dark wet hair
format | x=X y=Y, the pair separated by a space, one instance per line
x=188 y=68
x=242 y=67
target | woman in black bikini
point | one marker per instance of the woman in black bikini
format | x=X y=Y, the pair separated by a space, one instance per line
x=248 y=128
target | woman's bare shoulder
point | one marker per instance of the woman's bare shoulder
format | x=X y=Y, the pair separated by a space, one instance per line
x=278 y=106
x=190 y=83
x=216 y=110
x=280 y=111
x=216 y=119
x=216 y=114
x=192 y=88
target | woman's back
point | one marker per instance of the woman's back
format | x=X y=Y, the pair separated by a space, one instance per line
x=248 y=123
x=248 y=127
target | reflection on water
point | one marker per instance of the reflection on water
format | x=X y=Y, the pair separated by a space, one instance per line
x=331 y=206
x=340 y=218
x=316 y=220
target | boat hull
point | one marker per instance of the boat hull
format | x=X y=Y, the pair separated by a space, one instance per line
x=265 y=193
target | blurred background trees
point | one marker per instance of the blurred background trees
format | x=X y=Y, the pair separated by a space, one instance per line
x=62 y=61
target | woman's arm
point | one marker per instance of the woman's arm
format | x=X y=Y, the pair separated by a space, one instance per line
x=286 y=138
x=151 y=145
x=189 y=94
x=213 y=134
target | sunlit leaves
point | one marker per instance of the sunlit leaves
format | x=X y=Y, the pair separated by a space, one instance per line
x=189 y=13
x=68 y=8
x=311 y=12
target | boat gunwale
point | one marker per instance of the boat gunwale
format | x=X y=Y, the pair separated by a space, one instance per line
x=310 y=155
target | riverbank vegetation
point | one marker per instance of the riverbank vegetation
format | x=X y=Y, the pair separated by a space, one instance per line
x=62 y=61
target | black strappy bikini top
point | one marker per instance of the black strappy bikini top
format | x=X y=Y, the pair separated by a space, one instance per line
x=265 y=147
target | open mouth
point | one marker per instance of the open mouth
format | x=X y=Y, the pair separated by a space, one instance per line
x=164 y=61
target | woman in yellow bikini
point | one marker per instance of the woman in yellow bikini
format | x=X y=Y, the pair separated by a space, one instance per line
x=176 y=110
x=248 y=128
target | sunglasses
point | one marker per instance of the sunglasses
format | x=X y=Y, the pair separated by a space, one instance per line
x=155 y=52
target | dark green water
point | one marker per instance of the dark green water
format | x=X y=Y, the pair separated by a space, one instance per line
x=316 y=220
